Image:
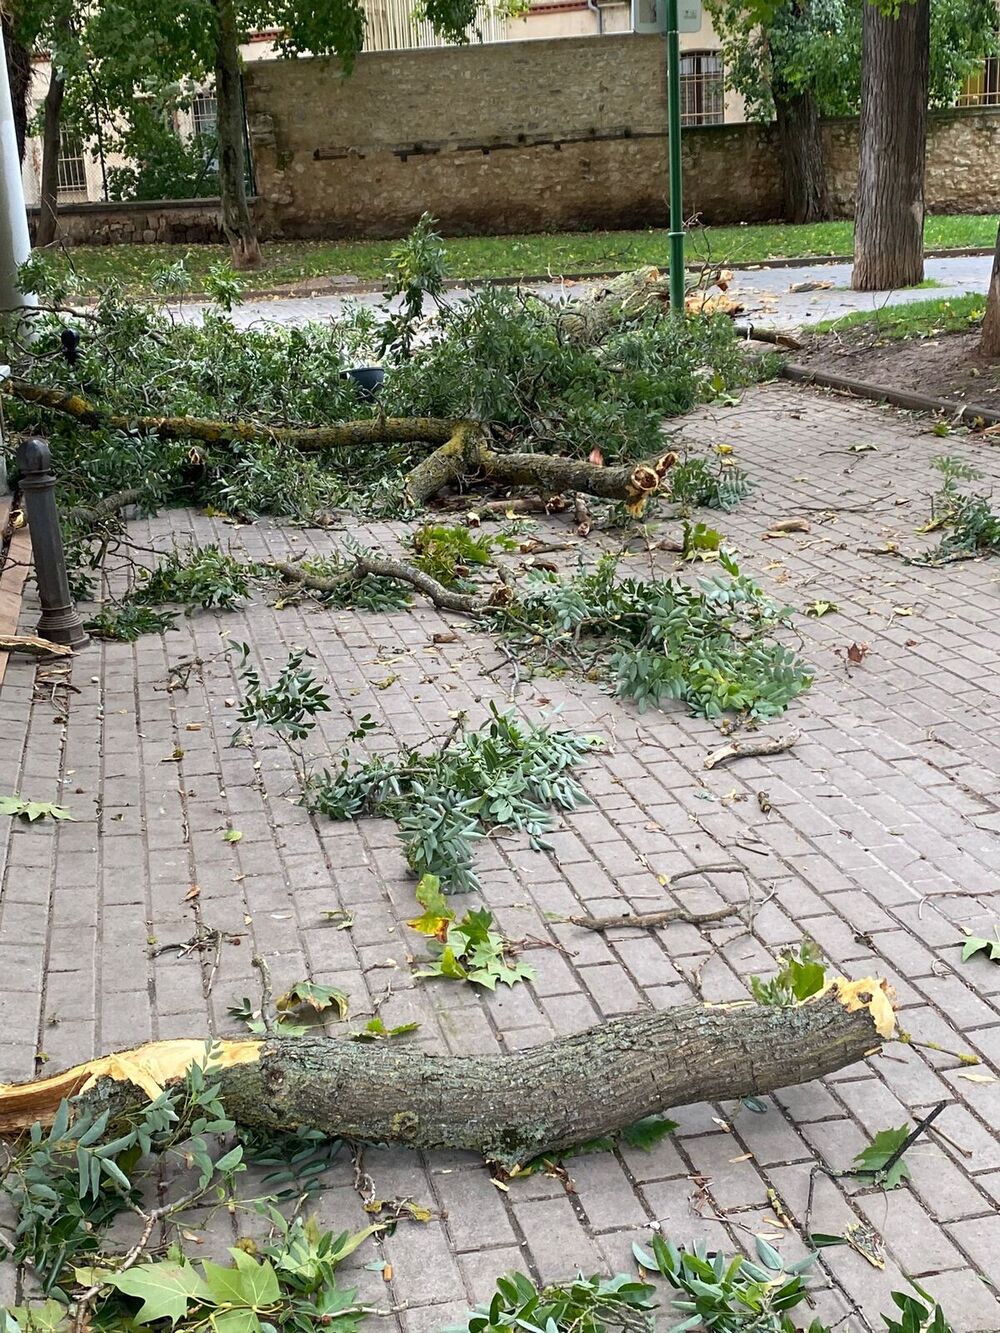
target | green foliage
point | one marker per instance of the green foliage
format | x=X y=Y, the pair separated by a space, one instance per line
x=501 y=357
x=506 y=775
x=446 y=552
x=776 y=49
x=874 y=1159
x=31 y=811
x=974 y=944
x=200 y=576
x=972 y=526
x=800 y=976
x=127 y=622
x=158 y=162
x=700 y=542
x=586 y=1305
x=469 y=950
x=730 y=1295
x=69 y=1184
x=709 y=644
x=290 y=706
x=694 y=484
x=917 y=1316
x=416 y=271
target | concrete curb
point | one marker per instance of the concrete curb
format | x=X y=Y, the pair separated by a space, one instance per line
x=878 y=393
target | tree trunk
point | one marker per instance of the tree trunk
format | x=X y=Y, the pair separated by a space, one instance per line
x=19 y=77
x=51 y=140
x=236 y=220
x=989 y=342
x=889 y=208
x=803 y=163
x=509 y=1108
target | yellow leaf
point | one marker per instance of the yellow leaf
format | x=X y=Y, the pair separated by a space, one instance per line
x=972 y=1077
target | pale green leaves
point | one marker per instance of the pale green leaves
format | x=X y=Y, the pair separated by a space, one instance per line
x=165 y=1289
x=30 y=811
x=974 y=944
x=469 y=949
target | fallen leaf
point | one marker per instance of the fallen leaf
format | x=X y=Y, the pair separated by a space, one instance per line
x=192 y=893
x=972 y=1077
x=811 y=285
x=193 y=726
x=786 y=525
x=442 y=637
x=820 y=608
x=857 y=652
x=232 y=835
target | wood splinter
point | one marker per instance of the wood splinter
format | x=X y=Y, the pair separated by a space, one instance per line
x=750 y=749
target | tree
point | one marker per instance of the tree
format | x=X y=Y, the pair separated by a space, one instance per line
x=19 y=77
x=797 y=61
x=989 y=343
x=889 y=206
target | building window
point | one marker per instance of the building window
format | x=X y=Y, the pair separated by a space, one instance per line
x=982 y=89
x=71 y=170
x=703 y=99
x=204 y=116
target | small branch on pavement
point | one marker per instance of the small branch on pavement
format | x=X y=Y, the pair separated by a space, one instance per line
x=750 y=749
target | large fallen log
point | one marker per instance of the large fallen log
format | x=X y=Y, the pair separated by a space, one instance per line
x=509 y=1108
x=463 y=453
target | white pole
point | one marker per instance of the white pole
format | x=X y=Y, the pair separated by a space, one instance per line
x=15 y=243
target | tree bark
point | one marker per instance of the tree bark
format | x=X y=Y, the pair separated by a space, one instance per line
x=51 y=141
x=19 y=77
x=509 y=1108
x=989 y=342
x=463 y=453
x=803 y=162
x=236 y=221
x=889 y=208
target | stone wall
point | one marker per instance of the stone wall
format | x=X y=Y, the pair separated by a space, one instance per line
x=530 y=136
x=173 y=222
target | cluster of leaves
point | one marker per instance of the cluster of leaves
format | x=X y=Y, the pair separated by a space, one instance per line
x=416 y=272
x=715 y=1291
x=289 y=706
x=200 y=576
x=68 y=1185
x=501 y=357
x=31 y=811
x=128 y=621
x=468 y=949
x=505 y=775
x=299 y=1010
x=710 y=644
x=800 y=976
x=448 y=552
x=971 y=524
x=695 y=484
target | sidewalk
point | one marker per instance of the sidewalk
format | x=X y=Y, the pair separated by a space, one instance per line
x=765 y=292
x=881 y=843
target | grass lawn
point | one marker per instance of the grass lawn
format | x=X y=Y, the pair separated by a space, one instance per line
x=509 y=256
x=918 y=319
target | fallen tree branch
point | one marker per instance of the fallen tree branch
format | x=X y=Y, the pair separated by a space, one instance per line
x=367 y=563
x=33 y=646
x=751 y=749
x=376 y=430
x=462 y=451
x=509 y=1108
x=647 y=920
x=91 y=515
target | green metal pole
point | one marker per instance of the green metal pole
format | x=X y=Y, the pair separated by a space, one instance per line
x=676 y=188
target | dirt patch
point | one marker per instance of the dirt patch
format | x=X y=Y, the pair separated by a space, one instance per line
x=946 y=366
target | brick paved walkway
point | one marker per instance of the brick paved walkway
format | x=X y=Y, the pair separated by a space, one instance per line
x=881 y=843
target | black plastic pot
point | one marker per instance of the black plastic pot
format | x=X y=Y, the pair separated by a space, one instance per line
x=368 y=379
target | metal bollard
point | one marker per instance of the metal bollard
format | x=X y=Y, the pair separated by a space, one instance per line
x=60 y=621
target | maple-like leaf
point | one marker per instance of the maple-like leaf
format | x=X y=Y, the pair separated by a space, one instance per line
x=165 y=1289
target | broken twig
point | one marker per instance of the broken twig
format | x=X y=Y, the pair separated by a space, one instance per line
x=750 y=749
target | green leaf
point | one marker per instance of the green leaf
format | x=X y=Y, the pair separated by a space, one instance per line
x=376 y=1030
x=251 y=1282
x=232 y=835
x=30 y=811
x=647 y=1133
x=165 y=1289
x=311 y=995
x=235 y=1321
x=873 y=1158
x=820 y=608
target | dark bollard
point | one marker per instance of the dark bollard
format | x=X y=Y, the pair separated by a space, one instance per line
x=60 y=621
